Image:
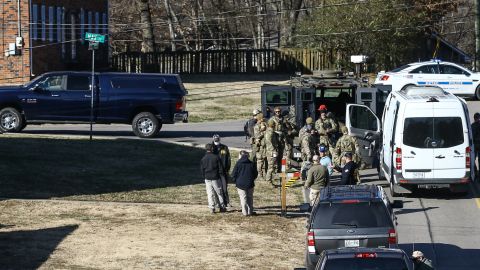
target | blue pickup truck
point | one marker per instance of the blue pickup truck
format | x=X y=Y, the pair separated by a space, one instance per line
x=146 y=101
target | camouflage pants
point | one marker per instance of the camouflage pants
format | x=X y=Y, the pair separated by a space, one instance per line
x=261 y=168
x=272 y=168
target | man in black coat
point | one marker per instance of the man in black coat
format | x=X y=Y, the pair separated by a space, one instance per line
x=212 y=170
x=349 y=171
x=244 y=174
x=223 y=152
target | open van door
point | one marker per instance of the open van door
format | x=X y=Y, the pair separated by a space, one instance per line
x=363 y=124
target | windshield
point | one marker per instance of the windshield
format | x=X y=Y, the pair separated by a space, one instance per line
x=354 y=215
x=366 y=264
x=433 y=132
x=400 y=68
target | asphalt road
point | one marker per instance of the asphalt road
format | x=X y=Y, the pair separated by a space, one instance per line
x=445 y=227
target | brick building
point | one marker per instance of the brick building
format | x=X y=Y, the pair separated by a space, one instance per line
x=37 y=36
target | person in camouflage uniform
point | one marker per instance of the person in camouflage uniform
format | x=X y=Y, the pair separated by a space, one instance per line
x=347 y=143
x=307 y=145
x=291 y=133
x=281 y=132
x=259 y=145
x=303 y=131
x=326 y=128
x=271 y=150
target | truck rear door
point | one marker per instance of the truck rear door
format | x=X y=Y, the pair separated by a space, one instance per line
x=363 y=124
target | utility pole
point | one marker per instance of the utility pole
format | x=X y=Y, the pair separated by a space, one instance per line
x=477 y=35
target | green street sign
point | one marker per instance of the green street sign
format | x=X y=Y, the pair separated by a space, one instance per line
x=92 y=37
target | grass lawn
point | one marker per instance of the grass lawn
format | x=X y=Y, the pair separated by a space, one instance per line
x=110 y=170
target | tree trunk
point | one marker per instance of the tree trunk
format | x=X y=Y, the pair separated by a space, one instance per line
x=170 y=26
x=148 y=41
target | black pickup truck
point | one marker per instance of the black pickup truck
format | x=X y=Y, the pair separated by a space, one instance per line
x=146 y=101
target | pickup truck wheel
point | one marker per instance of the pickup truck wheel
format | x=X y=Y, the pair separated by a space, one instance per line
x=11 y=120
x=145 y=125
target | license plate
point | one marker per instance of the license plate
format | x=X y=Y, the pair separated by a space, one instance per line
x=432 y=186
x=419 y=175
x=352 y=243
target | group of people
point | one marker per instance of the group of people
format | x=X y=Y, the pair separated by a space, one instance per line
x=215 y=168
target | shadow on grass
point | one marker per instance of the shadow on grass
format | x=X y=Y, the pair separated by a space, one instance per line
x=30 y=249
x=49 y=168
x=219 y=78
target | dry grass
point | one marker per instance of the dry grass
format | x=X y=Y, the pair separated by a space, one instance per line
x=225 y=97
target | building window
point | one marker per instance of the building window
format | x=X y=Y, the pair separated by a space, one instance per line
x=59 y=24
x=97 y=22
x=51 y=23
x=44 y=21
x=73 y=37
x=34 y=22
x=90 y=21
x=104 y=24
x=82 y=25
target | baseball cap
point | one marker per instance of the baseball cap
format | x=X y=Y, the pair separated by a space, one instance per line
x=322 y=148
x=348 y=154
x=322 y=108
x=309 y=120
x=476 y=115
x=417 y=254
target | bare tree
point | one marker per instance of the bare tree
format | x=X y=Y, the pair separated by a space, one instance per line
x=148 y=40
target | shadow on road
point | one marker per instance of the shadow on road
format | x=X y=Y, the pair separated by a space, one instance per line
x=123 y=133
x=447 y=256
x=27 y=250
x=409 y=211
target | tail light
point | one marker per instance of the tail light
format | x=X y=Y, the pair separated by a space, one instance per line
x=467 y=157
x=311 y=242
x=384 y=77
x=366 y=255
x=180 y=104
x=392 y=236
x=350 y=201
x=398 y=158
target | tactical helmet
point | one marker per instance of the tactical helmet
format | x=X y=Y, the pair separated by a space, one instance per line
x=259 y=116
x=309 y=120
x=344 y=130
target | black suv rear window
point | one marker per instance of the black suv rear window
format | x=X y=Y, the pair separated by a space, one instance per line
x=351 y=215
x=433 y=132
x=366 y=263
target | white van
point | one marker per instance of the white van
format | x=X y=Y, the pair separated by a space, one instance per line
x=426 y=139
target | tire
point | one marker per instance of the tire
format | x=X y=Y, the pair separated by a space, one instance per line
x=392 y=191
x=477 y=93
x=11 y=120
x=308 y=264
x=145 y=125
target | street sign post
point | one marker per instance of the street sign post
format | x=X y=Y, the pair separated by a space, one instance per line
x=94 y=40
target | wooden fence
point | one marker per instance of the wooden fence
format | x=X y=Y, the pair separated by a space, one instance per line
x=225 y=61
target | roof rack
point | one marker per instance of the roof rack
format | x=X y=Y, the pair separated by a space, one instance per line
x=350 y=191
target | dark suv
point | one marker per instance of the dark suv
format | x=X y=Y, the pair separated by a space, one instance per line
x=350 y=216
x=364 y=258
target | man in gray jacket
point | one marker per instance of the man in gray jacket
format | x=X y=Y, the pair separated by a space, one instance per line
x=212 y=169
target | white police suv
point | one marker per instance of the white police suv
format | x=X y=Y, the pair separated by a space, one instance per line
x=449 y=76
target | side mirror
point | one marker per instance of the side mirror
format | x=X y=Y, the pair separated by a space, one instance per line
x=397 y=204
x=36 y=87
